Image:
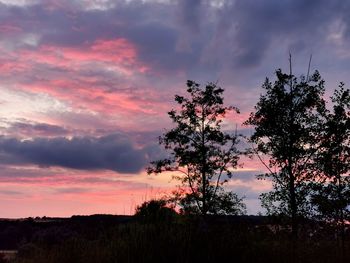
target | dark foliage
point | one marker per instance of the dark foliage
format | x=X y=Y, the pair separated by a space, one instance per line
x=287 y=122
x=201 y=154
x=224 y=239
x=155 y=211
x=331 y=195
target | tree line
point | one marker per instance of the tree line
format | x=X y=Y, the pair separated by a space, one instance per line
x=304 y=136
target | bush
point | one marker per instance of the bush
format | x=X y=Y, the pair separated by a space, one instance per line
x=155 y=211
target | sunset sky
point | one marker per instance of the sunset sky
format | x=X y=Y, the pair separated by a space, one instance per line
x=85 y=86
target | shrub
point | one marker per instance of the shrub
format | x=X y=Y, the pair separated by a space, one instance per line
x=155 y=210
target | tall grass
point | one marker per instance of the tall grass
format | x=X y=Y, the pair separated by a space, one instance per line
x=182 y=242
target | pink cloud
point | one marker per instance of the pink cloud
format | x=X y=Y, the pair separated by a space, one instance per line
x=62 y=72
x=8 y=67
x=117 y=52
x=87 y=94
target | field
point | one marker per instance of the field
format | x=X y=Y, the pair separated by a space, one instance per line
x=108 y=239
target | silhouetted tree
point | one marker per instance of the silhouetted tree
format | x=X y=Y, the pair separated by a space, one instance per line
x=201 y=154
x=332 y=196
x=287 y=120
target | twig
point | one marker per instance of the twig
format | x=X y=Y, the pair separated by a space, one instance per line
x=308 y=69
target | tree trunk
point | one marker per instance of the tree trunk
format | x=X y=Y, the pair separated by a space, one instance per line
x=342 y=235
x=293 y=207
x=294 y=219
x=292 y=194
x=342 y=223
x=204 y=192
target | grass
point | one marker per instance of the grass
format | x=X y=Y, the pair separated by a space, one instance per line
x=180 y=241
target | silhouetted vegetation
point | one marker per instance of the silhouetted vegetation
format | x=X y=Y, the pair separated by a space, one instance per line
x=331 y=194
x=123 y=239
x=155 y=211
x=308 y=149
x=287 y=125
x=202 y=156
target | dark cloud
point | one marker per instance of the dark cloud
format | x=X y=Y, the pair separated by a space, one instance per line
x=247 y=192
x=36 y=129
x=112 y=152
x=190 y=13
x=11 y=193
x=245 y=175
x=251 y=29
x=72 y=190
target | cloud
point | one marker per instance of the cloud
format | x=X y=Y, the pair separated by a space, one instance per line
x=190 y=14
x=72 y=190
x=245 y=175
x=11 y=193
x=27 y=129
x=246 y=192
x=113 y=152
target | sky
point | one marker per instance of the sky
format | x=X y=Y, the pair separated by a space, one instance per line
x=85 y=87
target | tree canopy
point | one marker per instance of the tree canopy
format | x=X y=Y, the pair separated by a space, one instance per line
x=287 y=122
x=201 y=155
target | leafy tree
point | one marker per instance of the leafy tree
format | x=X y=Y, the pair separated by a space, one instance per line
x=200 y=153
x=287 y=120
x=332 y=196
